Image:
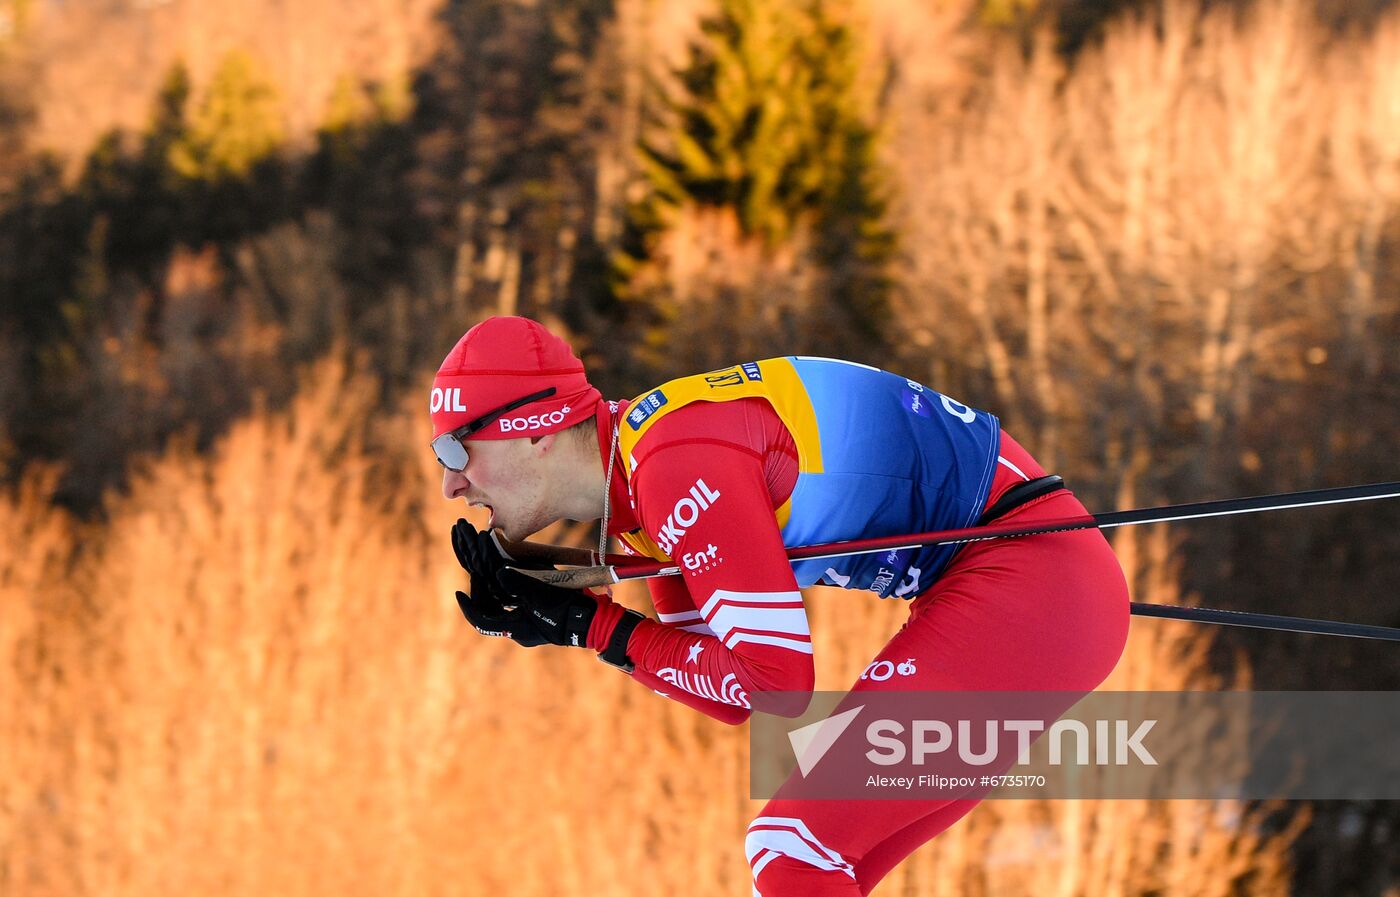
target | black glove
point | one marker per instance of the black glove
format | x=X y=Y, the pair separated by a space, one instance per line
x=530 y=612
x=559 y=616
x=564 y=615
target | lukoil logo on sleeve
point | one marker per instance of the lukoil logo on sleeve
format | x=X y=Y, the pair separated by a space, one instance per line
x=684 y=514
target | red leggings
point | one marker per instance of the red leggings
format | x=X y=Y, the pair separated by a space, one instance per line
x=1039 y=613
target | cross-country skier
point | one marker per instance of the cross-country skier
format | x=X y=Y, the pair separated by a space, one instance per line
x=721 y=471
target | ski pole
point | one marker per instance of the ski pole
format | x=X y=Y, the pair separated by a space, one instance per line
x=617 y=569
x=1265 y=621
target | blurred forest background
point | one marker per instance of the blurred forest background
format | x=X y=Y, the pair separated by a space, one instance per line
x=1160 y=239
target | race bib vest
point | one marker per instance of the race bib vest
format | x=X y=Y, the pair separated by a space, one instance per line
x=878 y=455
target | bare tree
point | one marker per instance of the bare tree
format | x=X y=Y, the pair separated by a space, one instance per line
x=1364 y=150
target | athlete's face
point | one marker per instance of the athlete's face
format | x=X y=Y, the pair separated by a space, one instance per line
x=508 y=476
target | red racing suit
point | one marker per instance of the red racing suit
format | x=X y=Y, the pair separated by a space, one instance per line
x=1046 y=614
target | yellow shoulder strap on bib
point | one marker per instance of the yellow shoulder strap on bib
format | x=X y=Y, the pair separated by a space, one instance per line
x=773 y=379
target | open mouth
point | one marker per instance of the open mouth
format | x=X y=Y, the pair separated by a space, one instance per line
x=491 y=521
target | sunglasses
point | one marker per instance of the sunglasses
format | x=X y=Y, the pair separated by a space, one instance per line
x=448 y=447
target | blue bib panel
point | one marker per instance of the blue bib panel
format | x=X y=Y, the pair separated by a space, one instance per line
x=878 y=455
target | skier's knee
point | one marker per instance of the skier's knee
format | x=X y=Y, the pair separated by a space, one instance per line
x=787 y=859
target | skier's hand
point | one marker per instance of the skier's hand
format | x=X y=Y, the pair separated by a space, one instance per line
x=478 y=553
x=483 y=606
x=558 y=618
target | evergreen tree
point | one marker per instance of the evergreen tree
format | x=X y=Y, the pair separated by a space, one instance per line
x=132 y=185
x=767 y=119
x=238 y=124
x=169 y=119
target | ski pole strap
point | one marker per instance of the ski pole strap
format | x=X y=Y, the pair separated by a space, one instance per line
x=1020 y=494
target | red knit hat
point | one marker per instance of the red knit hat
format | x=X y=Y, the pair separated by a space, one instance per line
x=501 y=360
